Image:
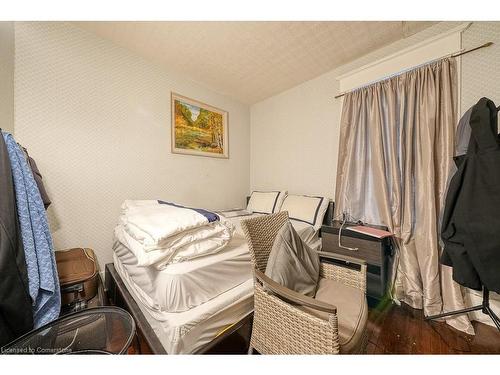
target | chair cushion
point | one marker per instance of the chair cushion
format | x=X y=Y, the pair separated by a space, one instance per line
x=292 y=263
x=352 y=311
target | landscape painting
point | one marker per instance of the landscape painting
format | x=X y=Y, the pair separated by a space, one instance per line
x=198 y=128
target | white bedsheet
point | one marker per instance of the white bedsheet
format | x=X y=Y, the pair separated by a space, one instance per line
x=186 y=332
x=182 y=286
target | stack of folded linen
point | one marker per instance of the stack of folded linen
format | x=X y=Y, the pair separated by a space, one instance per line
x=185 y=267
x=160 y=233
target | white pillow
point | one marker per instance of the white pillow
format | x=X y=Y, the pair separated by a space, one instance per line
x=266 y=202
x=307 y=209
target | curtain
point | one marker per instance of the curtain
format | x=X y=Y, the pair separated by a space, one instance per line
x=395 y=161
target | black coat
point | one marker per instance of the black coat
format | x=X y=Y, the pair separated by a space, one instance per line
x=16 y=314
x=471 y=221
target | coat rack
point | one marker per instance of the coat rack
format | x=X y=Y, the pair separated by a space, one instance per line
x=484 y=307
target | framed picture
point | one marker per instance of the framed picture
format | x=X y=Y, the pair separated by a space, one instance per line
x=198 y=128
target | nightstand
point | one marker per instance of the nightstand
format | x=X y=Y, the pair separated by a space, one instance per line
x=378 y=254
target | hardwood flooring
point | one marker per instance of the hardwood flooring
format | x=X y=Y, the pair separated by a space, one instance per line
x=402 y=330
x=392 y=329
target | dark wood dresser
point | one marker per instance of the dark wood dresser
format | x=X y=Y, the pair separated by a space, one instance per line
x=378 y=254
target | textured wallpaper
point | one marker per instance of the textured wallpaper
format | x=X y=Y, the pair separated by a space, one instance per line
x=96 y=118
x=7 y=76
x=481 y=69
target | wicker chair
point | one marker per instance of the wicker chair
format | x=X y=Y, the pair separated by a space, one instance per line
x=287 y=322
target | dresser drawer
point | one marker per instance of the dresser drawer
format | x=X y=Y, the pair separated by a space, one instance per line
x=370 y=251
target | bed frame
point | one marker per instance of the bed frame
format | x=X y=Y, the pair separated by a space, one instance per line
x=119 y=296
x=327 y=220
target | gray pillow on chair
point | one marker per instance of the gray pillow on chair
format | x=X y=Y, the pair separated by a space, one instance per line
x=292 y=263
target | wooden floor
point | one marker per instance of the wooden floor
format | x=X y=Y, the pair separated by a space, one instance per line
x=402 y=330
x=397 y=330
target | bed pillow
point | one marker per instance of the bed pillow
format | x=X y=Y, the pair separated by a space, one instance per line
x=292 y=263
x=307 y=209
x=266 y=202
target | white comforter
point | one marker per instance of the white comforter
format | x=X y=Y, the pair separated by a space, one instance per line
x=159 y=234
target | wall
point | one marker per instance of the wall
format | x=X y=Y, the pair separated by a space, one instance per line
x=480 y=69
x=294 y=135
x=7 y=76
x=96 y=118
x=294 y=138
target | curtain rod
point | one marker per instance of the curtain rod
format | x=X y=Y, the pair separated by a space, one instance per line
x=456 y=54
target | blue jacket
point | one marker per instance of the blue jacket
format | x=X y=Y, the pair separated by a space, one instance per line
x=37 y=241
x=16 y=317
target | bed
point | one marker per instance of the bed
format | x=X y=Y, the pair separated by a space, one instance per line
x=185 y=322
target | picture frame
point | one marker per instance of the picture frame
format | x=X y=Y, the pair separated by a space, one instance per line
x=198 y=128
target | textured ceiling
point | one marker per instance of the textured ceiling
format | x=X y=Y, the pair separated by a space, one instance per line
x=252 y=60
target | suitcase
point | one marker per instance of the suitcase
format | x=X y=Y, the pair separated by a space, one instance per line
x=78 y=276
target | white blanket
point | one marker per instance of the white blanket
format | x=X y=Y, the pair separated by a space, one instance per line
x=189 y=248
x=159 y=234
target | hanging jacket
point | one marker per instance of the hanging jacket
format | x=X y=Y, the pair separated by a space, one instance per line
x=37 y=241
x=16 y=316
x=38 y=178
x=471 y=220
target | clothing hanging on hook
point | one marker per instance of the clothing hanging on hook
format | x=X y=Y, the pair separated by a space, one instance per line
x=16 y=317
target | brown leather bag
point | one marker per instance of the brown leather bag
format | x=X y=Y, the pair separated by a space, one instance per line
x=78 y=272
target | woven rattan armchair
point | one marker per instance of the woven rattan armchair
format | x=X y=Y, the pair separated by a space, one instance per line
x=287 y=322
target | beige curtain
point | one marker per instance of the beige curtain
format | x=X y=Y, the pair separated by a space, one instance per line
x=395 y=161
